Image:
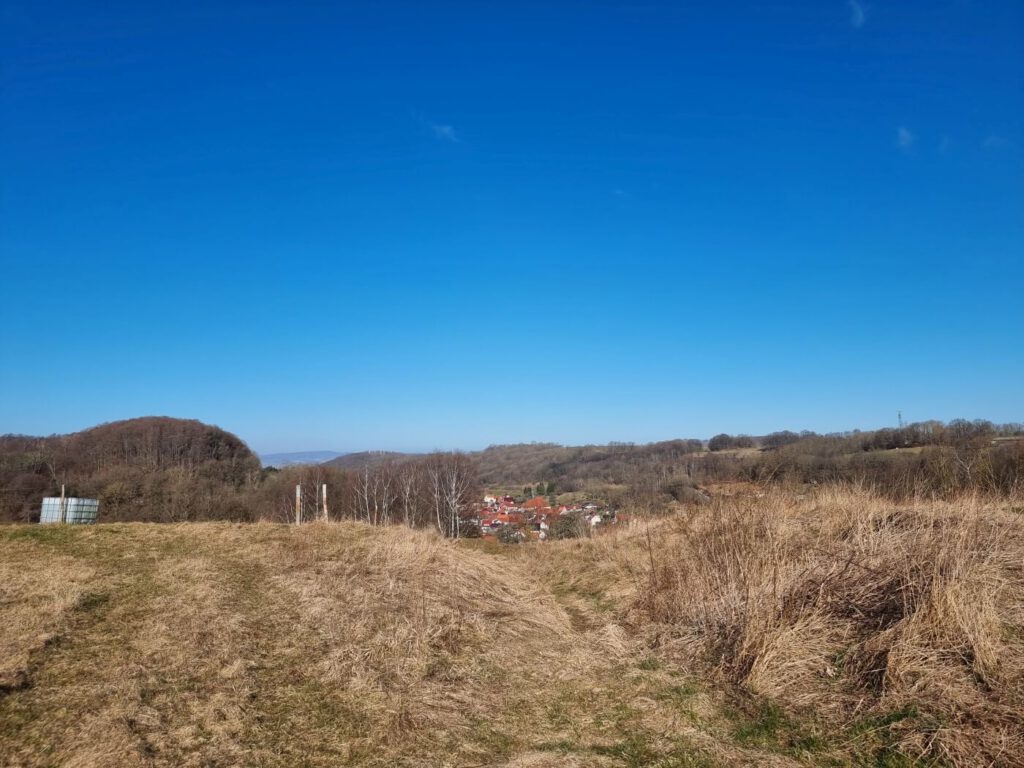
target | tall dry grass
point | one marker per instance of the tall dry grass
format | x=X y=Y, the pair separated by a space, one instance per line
x=842 y=606
x=320 y=645
x=32 y=605
x=323 y=645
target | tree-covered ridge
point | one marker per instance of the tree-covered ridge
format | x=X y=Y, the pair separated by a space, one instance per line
x=930 y=456
x=153 y=462
x=164 y=469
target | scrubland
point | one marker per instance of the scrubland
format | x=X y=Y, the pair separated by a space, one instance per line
x=764 y=628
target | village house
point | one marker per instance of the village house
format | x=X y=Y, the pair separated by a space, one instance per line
x=532 y=517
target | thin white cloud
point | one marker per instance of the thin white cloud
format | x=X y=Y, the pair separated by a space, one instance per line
x=857 y=16
x=905 y=139
x=444 y=132
x=995 y=141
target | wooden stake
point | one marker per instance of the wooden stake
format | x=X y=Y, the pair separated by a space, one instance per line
x=324 y=497
x=298 y=504
x=63 y=506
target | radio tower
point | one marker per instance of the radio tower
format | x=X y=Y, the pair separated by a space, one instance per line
x=899 y=418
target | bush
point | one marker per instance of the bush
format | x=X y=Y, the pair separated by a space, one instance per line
x=570 y=526
x=510 y=534
x=685 y=491
x=720 y=442
x=779 y=439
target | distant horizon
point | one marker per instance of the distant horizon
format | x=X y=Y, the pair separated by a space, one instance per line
x=573 y=444
x=482 y=446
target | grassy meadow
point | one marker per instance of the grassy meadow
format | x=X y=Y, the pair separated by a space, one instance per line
x=765 y=628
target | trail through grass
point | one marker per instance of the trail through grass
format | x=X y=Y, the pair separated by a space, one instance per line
x=342 y=644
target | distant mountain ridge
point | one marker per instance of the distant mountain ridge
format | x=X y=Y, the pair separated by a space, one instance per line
x=298 y=457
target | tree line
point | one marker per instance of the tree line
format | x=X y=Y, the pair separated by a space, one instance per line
x=172 y=470
x=431 y=491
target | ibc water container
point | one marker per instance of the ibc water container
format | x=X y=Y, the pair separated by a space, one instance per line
x=76 y=511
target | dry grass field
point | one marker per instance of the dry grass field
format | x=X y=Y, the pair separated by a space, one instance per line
x=761 y=629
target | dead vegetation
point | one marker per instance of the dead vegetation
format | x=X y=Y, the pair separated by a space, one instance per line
x=826 y=630
x=904 y=623
x=341 y=644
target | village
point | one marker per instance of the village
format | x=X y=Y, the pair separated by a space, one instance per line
x=511 y=520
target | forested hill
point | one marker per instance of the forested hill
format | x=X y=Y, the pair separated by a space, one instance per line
x=924 y=457
x=567 y=466
x=570 y=467
x=169 y=467
x=168 y=470
x=371 y=459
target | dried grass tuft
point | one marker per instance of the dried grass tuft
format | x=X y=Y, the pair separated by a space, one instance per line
x=840 y=605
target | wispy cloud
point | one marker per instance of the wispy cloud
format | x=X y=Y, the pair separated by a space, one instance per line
x=444 y=132
x=857 y=16
x=995 y=141
x=905 y=139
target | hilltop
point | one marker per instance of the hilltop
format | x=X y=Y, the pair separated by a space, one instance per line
x=173 y=469
x=763 y=629
x=369 y=459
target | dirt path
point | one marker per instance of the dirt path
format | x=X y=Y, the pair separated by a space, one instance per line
x=220 y=645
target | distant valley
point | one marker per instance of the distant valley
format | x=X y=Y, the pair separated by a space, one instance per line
x=297 y=458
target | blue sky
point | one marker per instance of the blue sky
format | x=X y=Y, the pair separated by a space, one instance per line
x=438 y=225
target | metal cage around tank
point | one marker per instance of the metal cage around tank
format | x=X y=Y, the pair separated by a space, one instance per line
x=76 y=511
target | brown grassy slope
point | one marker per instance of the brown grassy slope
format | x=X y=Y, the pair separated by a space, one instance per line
x=831 y=629
x=221 y=645
x=905 y=623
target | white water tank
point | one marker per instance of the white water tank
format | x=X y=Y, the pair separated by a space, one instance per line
x=76 y=511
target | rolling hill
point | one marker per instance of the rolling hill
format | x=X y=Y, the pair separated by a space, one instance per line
x=155 y=467
x=775 y=629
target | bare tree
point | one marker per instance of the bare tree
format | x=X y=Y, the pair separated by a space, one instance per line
x=452 y=483
x=409 y=482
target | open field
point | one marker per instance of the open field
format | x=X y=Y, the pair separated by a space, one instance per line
x=761 y=629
